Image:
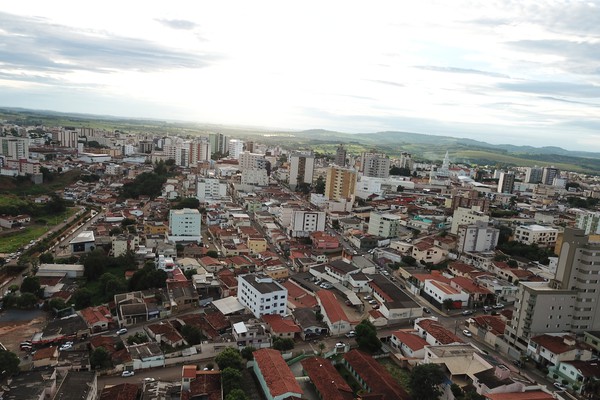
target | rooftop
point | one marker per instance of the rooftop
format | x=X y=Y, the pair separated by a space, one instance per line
x=276 y=373
x=76 y=386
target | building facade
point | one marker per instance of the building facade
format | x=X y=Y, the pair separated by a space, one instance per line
x=340 y=183
x=184 y=225
x=262 y=295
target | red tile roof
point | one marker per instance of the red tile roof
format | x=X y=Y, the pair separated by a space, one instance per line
x=375 y=376
x=217 y=320
x=43 y=353
x=556 y=344
x=441 y=334
x=207 y=384
x=276 y=373
x=530 y=395
x=435 y=277
x=444 y=287
x=327 y=380
x=469 y=286
x=331 y=307
x=280 y=325
x=461 y=267
x=412 y=341
x=298 y=296
x=491 y=322
x=93 y=315
x=122 y=391
x=587 y=369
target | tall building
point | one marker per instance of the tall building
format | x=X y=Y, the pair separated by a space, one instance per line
x=467 y=216
x=340 y=156
x=406 y=161
x=218 y=143
x=248 y=160
x=249 y=146
x=340 y=183
x=14 y=148
x=589 y=221
x=375 y=165
x=302 y=168
x=184 y=225
x=262 y=295
x=236 y=147
x=478 y=237
x=210 y=189
x=506 y=183
x=543 y=236
x=67 y=138
x=533 y=175
x=199 y=151
x=304 y=222
x=384 y=224
x=548 y=175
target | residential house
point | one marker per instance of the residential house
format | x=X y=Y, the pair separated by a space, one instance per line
x=274 y=375
x=306 y=319
x=333 y=314
x=131 y=308
x=444 y=295
x=395 y=304
x=490 y=328
x=121 y=391
x=182 y=295
x=83 y=383
x=250 y=333
x=434 y=333
x=146 y=355
x=98 y=318
x=409 y=343
x=496 y=380
x=478 y=295
x=281 y=327
x=45 y=357
x=551 y=349
x=577 y=374
x=200 y=384
x=327 y=381
x=164 y=332
x=427 y=252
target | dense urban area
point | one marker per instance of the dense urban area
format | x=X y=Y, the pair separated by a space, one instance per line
x=162 y=266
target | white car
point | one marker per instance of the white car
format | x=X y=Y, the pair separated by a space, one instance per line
x=467 y=333
x=126 y=374
x=340 y=345
x=149 y=380
x=122 y=331
x=559 y=386
x=65 y=347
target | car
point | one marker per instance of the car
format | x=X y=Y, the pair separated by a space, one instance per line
x=149 y=379
x=559 y=385
x=348 y=302
x=393 y=279
x=426 y=310
x=487 y=309
x=340 y=345
x=351 y=334
x=65 y=347
x=126 y=374
x=122 y=331
x=518 y=363
x=375 y=306
x=467 y=312
x=69 y=343
x=25 y=348
x=384 y=272
x=372 y=302
x=368 y=297
x=498 y=306
x=467 y=333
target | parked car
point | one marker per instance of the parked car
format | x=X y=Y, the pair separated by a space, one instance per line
x=126 y=374
x=487 y=309
x=375 y=306
x=65 y=347
x=372 y=302
x=559 y=385
x=368 y=297
x=467 y=312
x=467 y=333
x=351 y=334
x=340 y=345
x=498 y=306
x=518 y=363
x=122 y=331
x=426 y=310
x=149 y=379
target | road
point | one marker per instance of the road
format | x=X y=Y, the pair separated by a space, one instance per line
x=61 y=248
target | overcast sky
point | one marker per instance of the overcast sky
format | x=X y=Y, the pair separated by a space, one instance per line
x=499 y=71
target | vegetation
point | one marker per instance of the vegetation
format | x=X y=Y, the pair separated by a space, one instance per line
x=229 y=358
x=247 y=353
x=237 y=394
x=147 y=183
x=138 y=338
x=319 y=185
x=579 y=202
x=148 y=277
x=193 y=335
x=425 y=382
x=532 y=252
x=366 y=337
x=100 y=358
x=282 y=344
x=9 y=363
x=231 y=379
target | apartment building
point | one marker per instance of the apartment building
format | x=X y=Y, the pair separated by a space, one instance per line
x=384 y=224
x=302 y=168
x=536 y=234
x=477 y=237
x=467 y=216
x=262 y=295
x=250 y=160
x=210 y=189
x=340 y=183
x=304 y=222
x=375 y=164
x=340 y=156
x=184 y=225
x=236 y=147
x=506 y=183
x=588 y=221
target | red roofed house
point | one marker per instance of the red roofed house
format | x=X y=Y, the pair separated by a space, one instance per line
x=122 y=391
x=434 y=333
x=427 y=252
x=439 y=293
x=529 y=395
x=489 y=327
x=328 y=382
x=477 y=294
x=97 y=318
x=373 y=377
x=199 y=384
x=275 y=377
x=164 y=332
x=551 y=349
x=281 y=327
x=333 y=314
x=410 y=344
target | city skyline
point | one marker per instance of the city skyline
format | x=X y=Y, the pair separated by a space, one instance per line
x=505 y=72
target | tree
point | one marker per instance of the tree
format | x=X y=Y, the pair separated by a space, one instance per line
x=229 y=357
x=27 y=300
x=193 y=335
x=94 y=264
x=409 y=260
x=366 y=337
x=282 y=344
x=237 y=394
x=320 y=185
x=448 y=304
x=212 y=253
x=46 y=258
x=82 y=298
x=138 y=338
x=100 y=358
x=425 y=380
x=187 y=202
x=231 y=379
x=57 y=304
x=9 y=363
x=247 y=351
x=31 y=284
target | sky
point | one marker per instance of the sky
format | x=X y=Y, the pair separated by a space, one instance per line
x=518 y=72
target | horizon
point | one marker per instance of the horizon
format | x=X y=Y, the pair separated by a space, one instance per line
x=524 y=77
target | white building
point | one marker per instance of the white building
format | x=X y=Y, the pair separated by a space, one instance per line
x=14 y=148
x=249 y=160
x=184 y=225
x=262 y=295
x=304 y=222
x=236 y=147
x=536 y=234
x=588 y=221
x=302 y=168
x=375 y=164
x=384 y=224
x=255 y=176
x=367 y=185
x=477 y=237
x=210 y=189
x=467 y=216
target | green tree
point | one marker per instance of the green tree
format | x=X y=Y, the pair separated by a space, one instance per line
x=187 y=202
x=366 y=337
x=27 y=300
x=229 y=357
x=82 y=298
x=56 y=304
x=247 y=351
x=9 y=363
x=237 y=394
x=192 y=334
x=94 y=264
x=231 y=379
x=320 y=185
x=425 y=381
x=138 y=338
x=448 y=304
x=46 y=258
x=31 y=284
x=212 y=253
x=409 y=260
x=100 y=358
x=283 y=344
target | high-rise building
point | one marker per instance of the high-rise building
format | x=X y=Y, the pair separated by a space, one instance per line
x=210 y=189
x=236 y=147
x=184 y=225
x=248 y=160
x=199 y=151
x=302 y=168
x=549 y=174
x=340 y=183
x=384 y=224
x=589 y=221
x=406 y=161
x=467 y=216
x=533 y=175
x=478 y=237
x=262 y=295
x=249 y=146
x=218 y=143
x=340 y=156
x=304 y=222
x=375 y=165
x=67 y=138
x=506 y=183
x=14 y=148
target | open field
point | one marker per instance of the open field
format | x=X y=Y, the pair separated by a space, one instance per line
x=9 y=185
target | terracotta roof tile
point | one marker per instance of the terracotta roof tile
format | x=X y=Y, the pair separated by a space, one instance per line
x=122 y=391
x=412 y=341
x=275 y=371
x=327 y=380
x=331 y=306
x=280 y=325
x=441 y=334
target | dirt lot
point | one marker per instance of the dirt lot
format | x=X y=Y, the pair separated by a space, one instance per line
x=16 y=326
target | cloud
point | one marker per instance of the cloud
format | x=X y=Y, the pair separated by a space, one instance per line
x=386 y=82
x=33 y=44
x=455 y=70
x=178 y=24
x=552 y=88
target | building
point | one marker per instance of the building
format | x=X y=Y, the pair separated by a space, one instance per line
x=84 y=242
x=588 y=221
x=262 y=295
x=304 y=222
x=384 y=224
x=478 y=237
x=14 y=148
x=199 y=151
x=302 y=168
x=255 y=176
x=340 y=183
x=548 y=175
x=506 y=183
x=327 y=381
x=198 y=384
x=210 y=189
x=333 y=314
x=405 y=161
x=78 y=385
x=533 y=175
x=375 y=165
x=248 y=160
x=536 y=234
x=275 y=377
x=236 y=147
x=340 y=156
x=184 y=225
x=467 y=216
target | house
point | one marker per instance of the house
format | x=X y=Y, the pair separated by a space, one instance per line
x=333 y=314
x=122 y=391
x=427 y=252
x=200 y=384
x=98 y=318
x=528 y=395
x=73 y=360
x=410 y=344
x=327 y=381
x=82 y=383
x=164 y=332
x=210 y=264
x=45 y=357
x=182 y=295
x=576 y=373
x=443 y=295
x=434 y=333
x=478 y=295
x=281 y=327
x=373 y=377
x=36 y=384
x=306 y=319
x=490 y=328
x=395 y=304
x=274 y=375
x=131 y=308
x=146 y=355
x=251 y=333
x=496 y=380
x=551 y=349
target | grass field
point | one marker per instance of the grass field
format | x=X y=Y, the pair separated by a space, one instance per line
x=12 y=242
x=402 y=376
